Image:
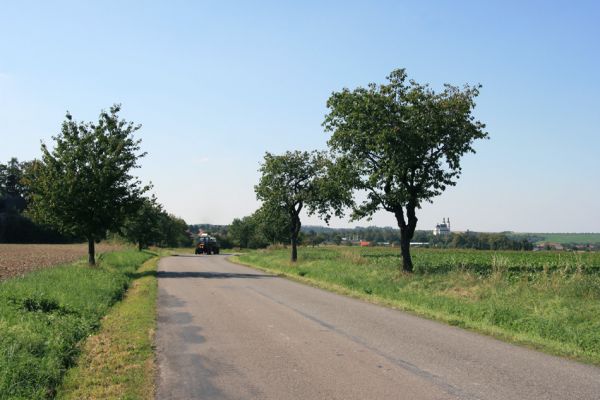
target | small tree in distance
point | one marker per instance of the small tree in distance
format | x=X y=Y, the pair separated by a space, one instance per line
x=402 y=144
x=84 y=186
x=296 y=181
x=243 y=232
x=273 y=223
x=143 y=226
x=173 y=231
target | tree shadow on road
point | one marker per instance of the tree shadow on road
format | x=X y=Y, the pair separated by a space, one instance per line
x=204 y=255
x=211 y=275
x=141 y=274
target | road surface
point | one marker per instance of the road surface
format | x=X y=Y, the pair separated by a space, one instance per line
x=231 y=332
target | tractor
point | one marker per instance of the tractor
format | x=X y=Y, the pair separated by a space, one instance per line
x=206 y=244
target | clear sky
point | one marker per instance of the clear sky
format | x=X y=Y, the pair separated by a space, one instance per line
x=216 y=84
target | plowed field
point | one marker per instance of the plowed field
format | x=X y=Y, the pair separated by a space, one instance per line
x=18 y=259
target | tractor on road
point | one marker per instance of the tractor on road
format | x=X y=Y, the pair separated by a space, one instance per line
x=206 y=244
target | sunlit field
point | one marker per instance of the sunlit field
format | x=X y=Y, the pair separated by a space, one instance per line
x=19 y=259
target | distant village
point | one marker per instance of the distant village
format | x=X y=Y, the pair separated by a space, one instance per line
x=440 y=236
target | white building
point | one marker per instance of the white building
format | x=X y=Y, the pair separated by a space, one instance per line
x=443 y=228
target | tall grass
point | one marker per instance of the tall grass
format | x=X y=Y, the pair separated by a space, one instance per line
x=117 y=362
x=44 y=315
x=547 y=300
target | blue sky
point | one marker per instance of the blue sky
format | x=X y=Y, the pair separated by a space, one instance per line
x=216 y=84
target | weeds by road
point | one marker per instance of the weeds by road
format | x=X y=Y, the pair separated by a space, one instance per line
x=47 y=313
x=118 y=361
x=550 y=301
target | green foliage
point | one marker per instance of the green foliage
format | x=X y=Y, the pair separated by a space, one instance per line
x=17 y=228
x=143 y=227
x=173 y=231
x=300 y=180
x=241 y=230
x=12 y=191
x=373 y=234
x=15 y=225
x=267 y=225
x=402 y=143
x=44 y=315
x=272 y=223
x=483 y=241
x=84 y=186
x=246 y=233
x=313 y=238
x=549 y=300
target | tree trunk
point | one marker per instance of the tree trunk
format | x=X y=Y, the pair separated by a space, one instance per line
x=407 y=231
x=91 y=251
x=294 y=231
x=407 y=264
x=294 y=257
x=140 y=247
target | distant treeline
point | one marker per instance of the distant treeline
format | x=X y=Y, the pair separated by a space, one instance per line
x=249 y=232
x=565 y=239
x=17 y=226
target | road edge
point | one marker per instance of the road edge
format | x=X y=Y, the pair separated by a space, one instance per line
x=543 y=346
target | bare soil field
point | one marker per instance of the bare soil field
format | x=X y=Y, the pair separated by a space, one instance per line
x=18 y=259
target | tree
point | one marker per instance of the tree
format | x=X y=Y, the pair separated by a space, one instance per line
x=337 y=239
x=84 y=186
x=12 y=190
x=273 y=223
x=267 y=225
x=300 y=180
x=143 y=226
x=173 y=231
x=242 y=231
x=403 y=142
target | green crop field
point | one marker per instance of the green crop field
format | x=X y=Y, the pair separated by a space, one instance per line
x=547 y=300
x=568 y=238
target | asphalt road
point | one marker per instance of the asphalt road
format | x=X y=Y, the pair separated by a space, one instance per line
x=230 y=332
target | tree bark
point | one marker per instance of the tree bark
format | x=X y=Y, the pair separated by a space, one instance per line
x=294 y=231
x=407 y=231
x=91 y=251
x=407 y=264
x=294 y=256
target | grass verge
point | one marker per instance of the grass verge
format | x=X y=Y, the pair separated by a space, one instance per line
x=555 y=309
x=45 y=315
x=118 y=361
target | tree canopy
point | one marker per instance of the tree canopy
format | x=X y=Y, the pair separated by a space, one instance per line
x=402 y=144
x=12 y=191
x=143 y=226
x=273 y=223
x=84 y=184
x=296 y=181
x=174 y=231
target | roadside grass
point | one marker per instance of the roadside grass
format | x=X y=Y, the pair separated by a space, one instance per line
x=118 y=361
x=46 y=314
x=549 y=301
